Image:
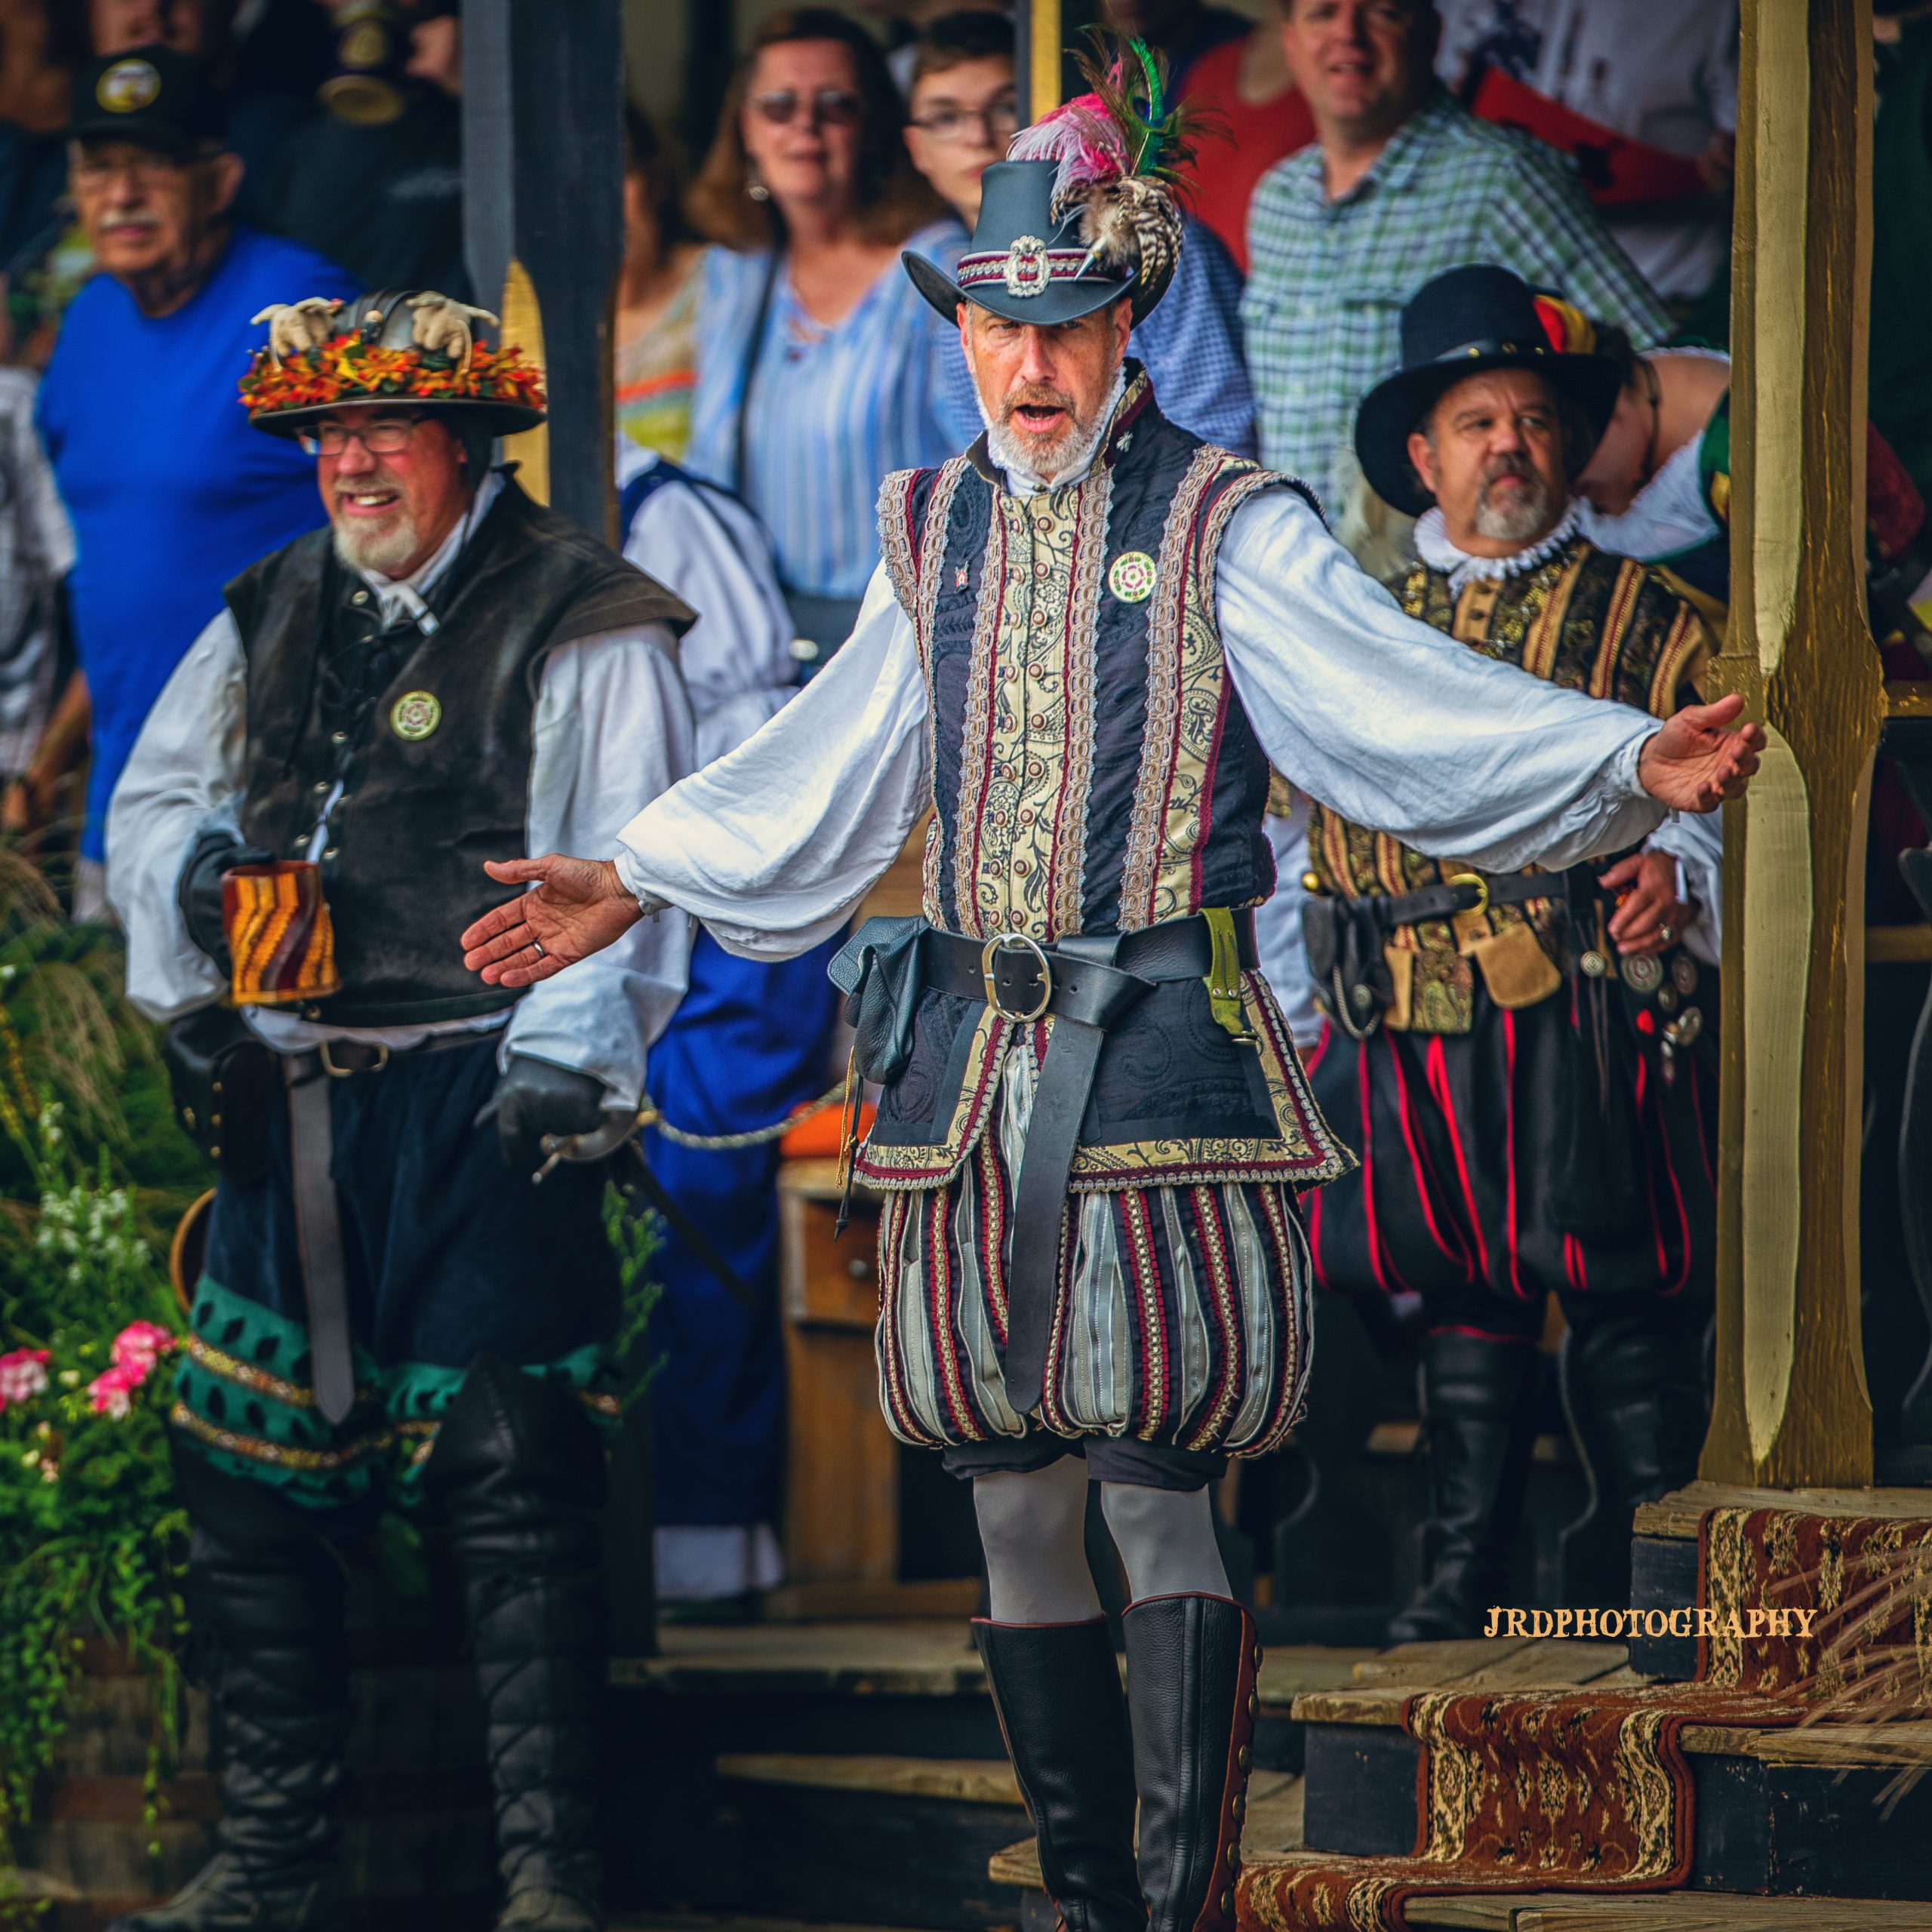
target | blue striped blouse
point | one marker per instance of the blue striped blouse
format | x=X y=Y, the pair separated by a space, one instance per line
x=831 y=411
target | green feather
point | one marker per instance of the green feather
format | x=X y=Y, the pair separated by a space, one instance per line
x=1156 y=114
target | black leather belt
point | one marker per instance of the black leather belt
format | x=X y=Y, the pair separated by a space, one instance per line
x=318 y=1214
x=1087 y=983
x=1464 y=892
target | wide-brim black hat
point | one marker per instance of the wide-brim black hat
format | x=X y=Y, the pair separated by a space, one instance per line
x=1464 y=323
x=1021 y=264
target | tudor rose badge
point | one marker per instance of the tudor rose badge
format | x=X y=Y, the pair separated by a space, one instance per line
x=1026 y=270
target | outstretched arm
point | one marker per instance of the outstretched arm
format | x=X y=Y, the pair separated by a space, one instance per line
x=772 y=846
x=1395 y=725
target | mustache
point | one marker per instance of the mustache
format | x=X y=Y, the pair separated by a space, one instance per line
x=1042 y=394
x=1500 y=466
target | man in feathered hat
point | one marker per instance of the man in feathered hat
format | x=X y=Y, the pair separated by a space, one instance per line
x=1089 y=636
x=1525 y=1051
x=448 y=672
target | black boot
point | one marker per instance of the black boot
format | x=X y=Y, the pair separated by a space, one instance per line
x=1057 y=1688
x=1479 y=1400
x=1191 y=1666
x=517 y=1470
x=266 y=1591
x=1633 y=1392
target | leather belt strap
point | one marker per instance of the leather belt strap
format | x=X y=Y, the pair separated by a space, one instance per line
x=1087 y=983
x=1469 y=892
x=319 y=1235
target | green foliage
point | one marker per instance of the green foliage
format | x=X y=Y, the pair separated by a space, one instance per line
x=636 y=1239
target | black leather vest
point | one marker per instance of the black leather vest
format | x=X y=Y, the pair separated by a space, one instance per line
x=436 y=777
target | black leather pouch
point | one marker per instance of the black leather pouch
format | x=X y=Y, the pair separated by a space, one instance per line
x=224 y=1081
x=877 y=969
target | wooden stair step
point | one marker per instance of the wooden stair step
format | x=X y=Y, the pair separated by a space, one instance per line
x=847 y=1659
x=961 y=1780
x=1679 y=1513
x=1273 y=1826
x=1381 y=1687
x=1657 y=1912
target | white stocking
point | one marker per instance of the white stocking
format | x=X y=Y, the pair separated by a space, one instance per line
x=1166 y=1540
x=1032 y=1528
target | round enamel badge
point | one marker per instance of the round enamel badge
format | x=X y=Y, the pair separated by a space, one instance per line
x=415 y=715
x=1130 y=577
x=128 y=87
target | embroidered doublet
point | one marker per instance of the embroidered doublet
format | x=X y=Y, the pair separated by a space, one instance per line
x=1582 y=618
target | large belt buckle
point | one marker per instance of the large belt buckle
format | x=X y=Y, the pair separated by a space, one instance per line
x=988 y=962
x=1482 y=885
x=336 y=1072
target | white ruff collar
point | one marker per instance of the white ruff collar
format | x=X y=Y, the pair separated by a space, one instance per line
x=1433 y=546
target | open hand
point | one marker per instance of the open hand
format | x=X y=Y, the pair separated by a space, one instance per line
x=1696 y=759
x=579 y=906
x=1650 y=916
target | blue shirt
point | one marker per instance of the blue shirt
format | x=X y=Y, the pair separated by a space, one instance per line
x=831 y=411
x=1190 y=342
x=171 y=492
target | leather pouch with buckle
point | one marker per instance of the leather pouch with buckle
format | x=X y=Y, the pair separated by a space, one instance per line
x=878 y=970
x=225 y=1082
x=1515 y=967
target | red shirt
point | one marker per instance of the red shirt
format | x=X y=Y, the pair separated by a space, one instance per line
x=1226 y=171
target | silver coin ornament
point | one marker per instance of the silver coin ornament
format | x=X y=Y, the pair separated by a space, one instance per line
x=1594 y=963
x=1683 y=974
x=1667 y=998
x=1641 y=973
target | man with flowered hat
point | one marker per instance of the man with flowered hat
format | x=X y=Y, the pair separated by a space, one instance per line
x=1523 y=1055
x=449 y=673
x=1090 y=636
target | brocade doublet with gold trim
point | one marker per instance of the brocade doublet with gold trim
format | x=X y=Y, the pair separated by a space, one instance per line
x=1583 y=619
x=1093 y=772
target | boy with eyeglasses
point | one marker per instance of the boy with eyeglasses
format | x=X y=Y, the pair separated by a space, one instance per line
x=170 y=493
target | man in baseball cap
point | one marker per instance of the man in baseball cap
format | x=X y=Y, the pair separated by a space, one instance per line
x=171 y=492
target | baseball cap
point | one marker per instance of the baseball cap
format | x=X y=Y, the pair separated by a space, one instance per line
x=151 y=95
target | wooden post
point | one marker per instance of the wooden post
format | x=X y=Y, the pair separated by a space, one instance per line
x=1791 y=1407
x=544 y=222
x=1036 y=47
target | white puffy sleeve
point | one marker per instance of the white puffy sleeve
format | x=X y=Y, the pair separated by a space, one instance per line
x=1696 y=841
x=773 y=845
x=736 y=659
x=612 y=732
x=1396 y=725
x=183 y=775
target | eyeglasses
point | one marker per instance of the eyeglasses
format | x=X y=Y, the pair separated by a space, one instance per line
x=994 y=125
x=385 y=436
x=829 y=107
x=93 y=173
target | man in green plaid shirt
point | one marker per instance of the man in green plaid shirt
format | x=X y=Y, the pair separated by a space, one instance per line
x=1401 y=184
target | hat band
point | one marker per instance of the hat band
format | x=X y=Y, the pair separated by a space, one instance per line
x=1026 y=267
x=1489 y=345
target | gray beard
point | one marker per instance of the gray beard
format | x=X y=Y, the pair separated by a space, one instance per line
x=1076 y=449
x=382 y=551
x=1534 y=512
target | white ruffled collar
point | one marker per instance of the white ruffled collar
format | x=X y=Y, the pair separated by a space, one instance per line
x=1433 y=546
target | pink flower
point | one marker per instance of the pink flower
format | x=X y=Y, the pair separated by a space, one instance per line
x=139 y=1346
x=110 y=1392
x=22 y=1375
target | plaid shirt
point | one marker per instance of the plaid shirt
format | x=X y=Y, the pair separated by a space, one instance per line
x=1327 y=280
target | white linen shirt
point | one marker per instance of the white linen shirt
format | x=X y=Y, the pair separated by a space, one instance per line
x=1389 y=722
x=612 y=729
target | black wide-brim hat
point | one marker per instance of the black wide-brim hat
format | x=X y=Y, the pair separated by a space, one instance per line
x=1465 y=323
x=1021 y=264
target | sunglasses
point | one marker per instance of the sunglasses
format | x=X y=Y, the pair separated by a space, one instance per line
x=829 y=107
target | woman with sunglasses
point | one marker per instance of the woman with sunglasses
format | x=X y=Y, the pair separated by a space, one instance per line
x=820 y=370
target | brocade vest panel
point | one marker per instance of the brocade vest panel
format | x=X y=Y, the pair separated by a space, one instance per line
x=1093 y=772
x=1582 y=619
x=435 y=778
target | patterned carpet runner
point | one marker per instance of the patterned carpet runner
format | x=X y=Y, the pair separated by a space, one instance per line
x=1588 y=1789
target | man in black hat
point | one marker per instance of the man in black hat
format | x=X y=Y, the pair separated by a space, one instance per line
x=387 y=1305
x=170 y=493
x=1521 y=1056
x=1089 y=636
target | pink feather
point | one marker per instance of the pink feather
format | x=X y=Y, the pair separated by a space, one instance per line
x=1083 y=138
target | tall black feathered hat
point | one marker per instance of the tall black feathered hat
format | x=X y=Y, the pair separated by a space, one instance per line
x=1464 y=323
x=1082 y=210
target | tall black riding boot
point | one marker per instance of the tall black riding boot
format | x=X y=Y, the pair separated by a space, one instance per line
x=1191 y=1666
x=1057 y=1688
x=1479 y=1399
x=265 y=1592
x=517 y=1470
x=1633 y=1388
